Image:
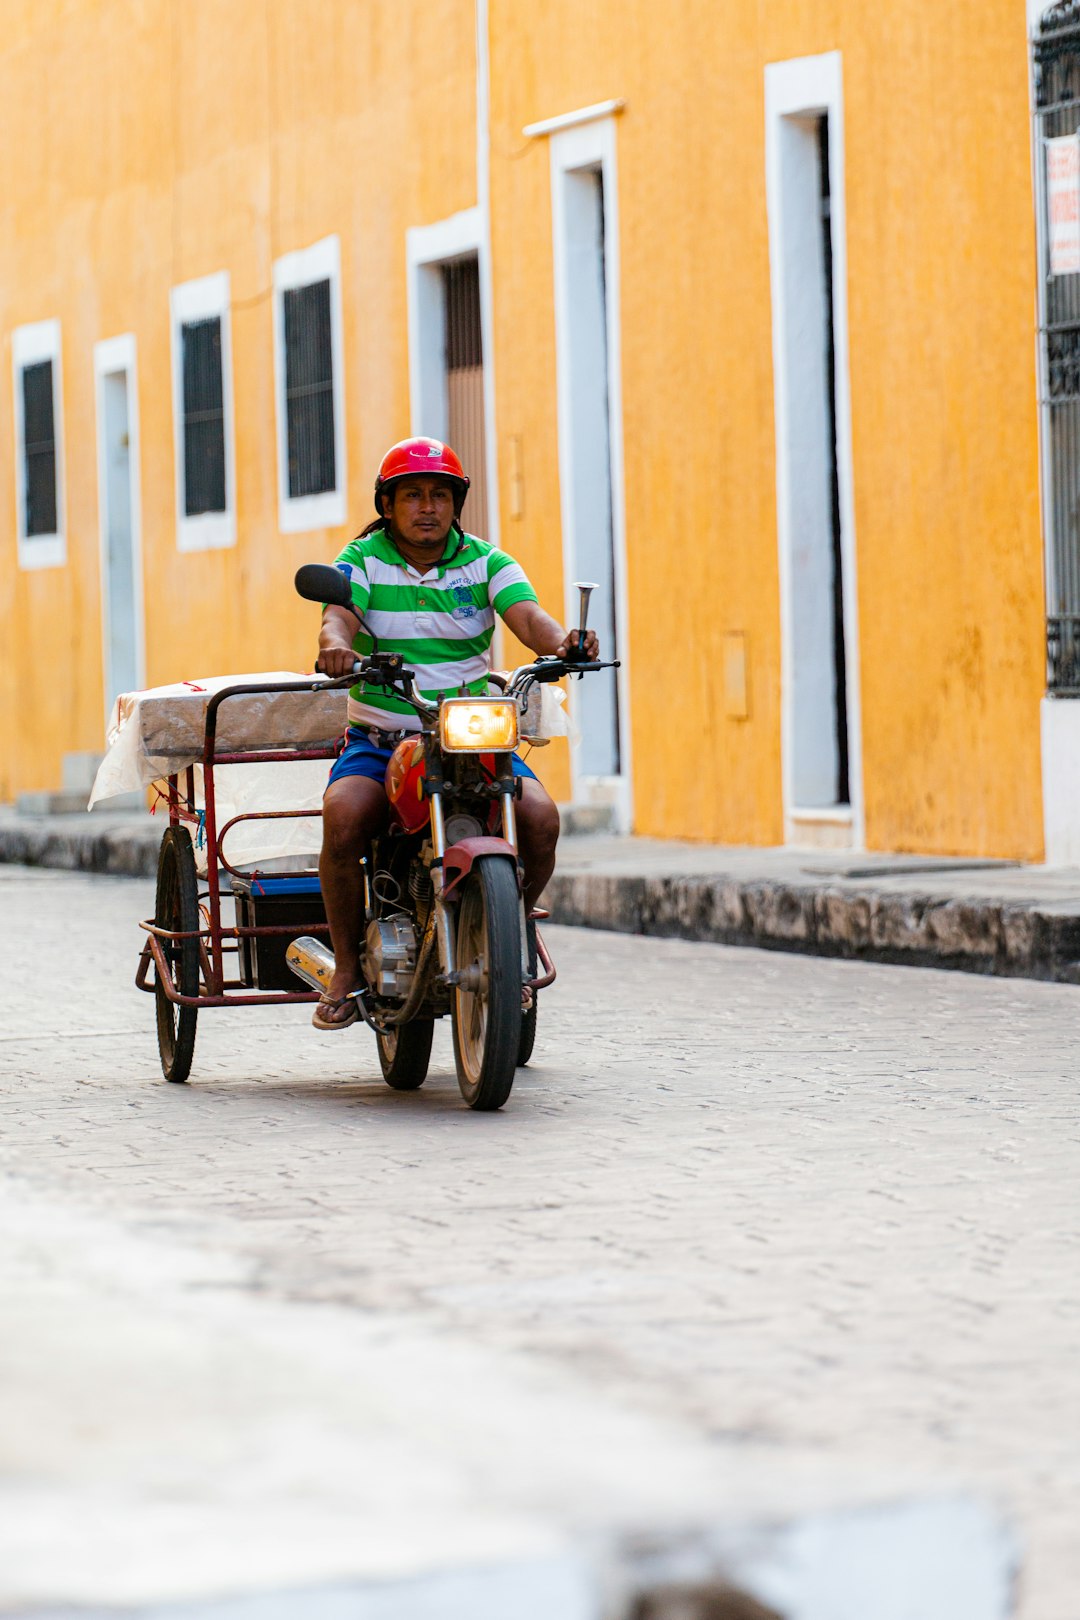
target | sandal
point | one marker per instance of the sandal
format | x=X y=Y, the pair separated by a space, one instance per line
x=334 y=1002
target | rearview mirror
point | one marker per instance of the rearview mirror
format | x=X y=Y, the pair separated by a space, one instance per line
x=318 y=582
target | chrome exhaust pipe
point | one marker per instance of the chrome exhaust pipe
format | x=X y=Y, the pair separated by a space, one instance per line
x=310 y=960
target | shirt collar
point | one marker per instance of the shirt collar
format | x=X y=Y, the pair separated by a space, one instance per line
x=455 y=545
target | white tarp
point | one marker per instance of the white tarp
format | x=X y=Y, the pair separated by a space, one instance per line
x=151 y=734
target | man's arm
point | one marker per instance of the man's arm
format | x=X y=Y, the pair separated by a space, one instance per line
x=541 y=633
x=336 y=655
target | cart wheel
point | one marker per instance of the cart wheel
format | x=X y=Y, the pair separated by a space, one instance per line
x=177 y=908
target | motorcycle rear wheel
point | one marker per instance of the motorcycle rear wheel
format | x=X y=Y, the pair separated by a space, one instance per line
x=528 y=1019
x=487 y=1020
x=405 y=1052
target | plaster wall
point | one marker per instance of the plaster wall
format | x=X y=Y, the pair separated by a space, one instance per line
x=941 y=300
x=158 y=143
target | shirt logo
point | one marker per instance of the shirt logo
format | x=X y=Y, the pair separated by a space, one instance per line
x=462 y=594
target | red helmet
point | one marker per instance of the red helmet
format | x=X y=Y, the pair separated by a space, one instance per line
x=414 y=456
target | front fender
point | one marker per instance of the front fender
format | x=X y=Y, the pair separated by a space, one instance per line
x=459 y=858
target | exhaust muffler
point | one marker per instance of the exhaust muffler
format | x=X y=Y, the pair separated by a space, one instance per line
x=311 y=961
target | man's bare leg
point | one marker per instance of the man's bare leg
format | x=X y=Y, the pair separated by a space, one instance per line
x=538 y=835
x=354 y=812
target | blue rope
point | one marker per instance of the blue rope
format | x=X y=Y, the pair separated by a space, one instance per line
x=200 y=836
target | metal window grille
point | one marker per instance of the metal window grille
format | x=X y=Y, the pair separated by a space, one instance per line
x=204 y=417
x=309 y=389
x=39 y=441
x=465 y=382
x=1057 y=112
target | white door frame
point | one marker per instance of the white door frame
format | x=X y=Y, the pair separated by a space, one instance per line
x=813 y=86
x=427 y=249
x=591 y=145
x=114 y=355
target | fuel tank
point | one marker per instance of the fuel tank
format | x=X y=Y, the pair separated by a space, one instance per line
x=405 y=784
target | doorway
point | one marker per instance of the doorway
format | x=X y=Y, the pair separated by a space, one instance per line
x=449 y=375
x=463 y=359
x=821 y=745
x=590 y=446
x=123 y=657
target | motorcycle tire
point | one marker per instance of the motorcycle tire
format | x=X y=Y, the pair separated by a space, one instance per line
x=528 y=1019
x=487 y=1021
x=404 y=1054
x=177 y=907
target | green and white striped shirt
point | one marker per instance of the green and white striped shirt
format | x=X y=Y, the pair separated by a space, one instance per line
x=441 y=622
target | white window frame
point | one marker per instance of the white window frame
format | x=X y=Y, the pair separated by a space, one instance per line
x=298 y=514
x=813 y=86
x=30 y=345
x=110 y=356
x=591 y=145
x=203 y=299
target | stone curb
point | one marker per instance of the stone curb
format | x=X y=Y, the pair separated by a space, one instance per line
x=1016 y=939
x=119 y=851
x=827 y=919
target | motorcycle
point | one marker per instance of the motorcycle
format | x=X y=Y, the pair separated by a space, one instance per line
x=444 y=925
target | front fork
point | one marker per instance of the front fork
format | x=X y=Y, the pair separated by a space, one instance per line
x=509 y=821
x=443 y=922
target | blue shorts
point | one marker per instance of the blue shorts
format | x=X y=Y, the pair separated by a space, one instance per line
x=362 y=757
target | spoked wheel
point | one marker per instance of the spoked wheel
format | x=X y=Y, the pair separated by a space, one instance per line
x=528 y=1019
x=177 y=908
x=487 y=1010
x=404 y=1054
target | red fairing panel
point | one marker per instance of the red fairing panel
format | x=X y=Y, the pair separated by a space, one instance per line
x=459 y=858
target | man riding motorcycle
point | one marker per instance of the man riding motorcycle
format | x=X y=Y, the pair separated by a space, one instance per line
x=427 y=589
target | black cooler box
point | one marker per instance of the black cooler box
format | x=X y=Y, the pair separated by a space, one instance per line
x=266 y=901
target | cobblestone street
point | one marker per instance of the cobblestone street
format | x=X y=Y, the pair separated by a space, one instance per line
x=794 y=1203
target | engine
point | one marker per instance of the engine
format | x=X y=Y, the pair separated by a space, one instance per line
x=390 y=956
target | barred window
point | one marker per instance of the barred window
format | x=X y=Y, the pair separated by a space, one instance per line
x=309 y=390
x=39 y=448
x=203 y=417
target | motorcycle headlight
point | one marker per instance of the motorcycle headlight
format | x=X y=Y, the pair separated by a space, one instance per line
x=478 y=725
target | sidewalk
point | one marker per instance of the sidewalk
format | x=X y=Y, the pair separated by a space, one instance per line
x=978 y=916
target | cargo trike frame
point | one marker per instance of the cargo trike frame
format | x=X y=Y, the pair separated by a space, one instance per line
x=188 y=942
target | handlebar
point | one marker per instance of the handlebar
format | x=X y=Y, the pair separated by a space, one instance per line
x=553 y=669
x=388 y=669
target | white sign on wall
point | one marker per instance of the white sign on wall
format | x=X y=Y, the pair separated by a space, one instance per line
x=1063 y=203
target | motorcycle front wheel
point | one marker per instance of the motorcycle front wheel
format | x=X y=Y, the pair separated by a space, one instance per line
x=487 y=1018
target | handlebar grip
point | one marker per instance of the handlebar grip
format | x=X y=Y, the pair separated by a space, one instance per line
x=357 y=669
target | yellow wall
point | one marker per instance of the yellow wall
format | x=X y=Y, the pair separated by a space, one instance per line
x=159 y=142
x=941 y=316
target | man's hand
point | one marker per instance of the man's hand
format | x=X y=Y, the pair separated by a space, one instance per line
x=335 y=661
x=592 y=645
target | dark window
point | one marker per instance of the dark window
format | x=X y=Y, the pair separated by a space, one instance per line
x=204 y=417
x=39 y=439
x=309 y=390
